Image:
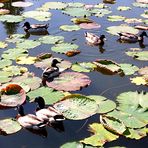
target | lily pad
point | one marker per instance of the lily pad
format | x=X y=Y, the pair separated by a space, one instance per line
x=90 y=25
x=72 y=145
x=70 y=27
x=83 y=67
x=69 y=81
x=21 y=4
x=114 y=18
x=38 y=15
x=81 y=20
x=123 y=8
x=114 y=30
x=12 y=95
x=26 y=60
x=15 y=38
x=76 y=12
x=4 y=63
x=141 y=55
x=4 y=11
x=143 y=71
x=11 y=18
x=50 y=96
x=9 y=126
x=100 y=135
x=128 y=69
x=102 y=12
x=142 y=1
x=50 y=39
x=107 y=66
x=3 y=45
x=142 y=5
x=5 y=76
x=64 y=47
x=76 y=106
x=142 y=80
x=27 y=44
x=133 y=20
x=145 y=14
x=75 y=5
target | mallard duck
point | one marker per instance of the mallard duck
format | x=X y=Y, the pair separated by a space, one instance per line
x=49 y=114
x=94 y=39
x=36 y=28
x=132 y=38
x=29 y=121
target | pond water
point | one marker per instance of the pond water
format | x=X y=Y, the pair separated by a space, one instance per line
x=107 y=85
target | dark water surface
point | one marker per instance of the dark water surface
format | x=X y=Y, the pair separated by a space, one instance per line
x=109 y=86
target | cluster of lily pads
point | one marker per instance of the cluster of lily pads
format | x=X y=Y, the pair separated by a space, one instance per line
x=128 y=116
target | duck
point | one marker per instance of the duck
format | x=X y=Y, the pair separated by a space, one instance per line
x=36 y=29
x=94 y=39
x=51 y=72
x=132 y=38
x=29 y=121
x=49 y=114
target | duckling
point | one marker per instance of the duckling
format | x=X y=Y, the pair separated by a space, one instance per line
x=36 y=29
x=29 y=121
x=51 y=72
x=132 y=38
x=94 y=39
x=50 y=114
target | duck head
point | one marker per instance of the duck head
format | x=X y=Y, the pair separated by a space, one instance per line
x=54 y=62
x=143 y=34
x=102 y=37
x=26 y=26
x=40 y=101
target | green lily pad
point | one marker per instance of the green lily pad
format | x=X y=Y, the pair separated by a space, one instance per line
x=38 y=15
x=3 y=45
x=4 y=11
x=133 y=20
x=15 y=38
x=128 y=69
x=81 y=20
x=76 y=106
x=64 y=47
x=76 y=12
x=101 y=6
x=12 y=95
x=141 y=55
x=27 y=44
x=114 y=18
x=26 y=60
x=21 y=4
x=5 y=76
x=140 y=80
x=5 y=62
x=50 y=96
x=75 y=5
x=100 y=135
x=123 y=8
x=9 y=126
x=69 y=81
x=83 y=67
x=50 y=39
x=107 y=66
x=114 y=30
x=145 y=21
x=102 y=12
x=11 y=18
x=140 y=5
x=72 y=145
x=145 y=14
x=70 y=27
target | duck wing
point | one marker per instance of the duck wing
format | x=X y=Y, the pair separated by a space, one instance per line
x=35 y=26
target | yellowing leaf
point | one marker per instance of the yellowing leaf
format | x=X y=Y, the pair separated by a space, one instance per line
x=140 y=80
x=26 y=60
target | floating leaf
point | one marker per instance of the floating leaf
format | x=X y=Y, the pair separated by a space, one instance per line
x=123 y=8
x=83 y=67
x=15 y=38
x=142 y=1
x=102 y=12
x=128 y=69
x=122 y=28
x=76 y=106
x=64 y=47
x=145 y=14
x=133 y=20
x=114 y=18
x=5 y=76
x=3 y=45
x=76 y=12
x=90 y=25
x=21 y=4
x=26 y=60
x=72 y=145
x=69 y=81
x=4 y=11
x=11 y=18
x=50 y=39
x=101 y=6
x=100 y=135
x=27 y=44
x=50 y=96
x=12 y=95
x=141 y=55
x=38 y=15
x=9 y=126
x=143 y=80
x=81 y=20
x=4 y=63
x=70 y=27
x=143 y=71
x=76 y=5
x=107 y=66
x=142 y=5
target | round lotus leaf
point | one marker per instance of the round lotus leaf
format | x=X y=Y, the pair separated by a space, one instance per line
x=123 y=8
x=70 y=27
x=101 y=6
x=114 y=18
x=15 y=38
x=72 y=145
x=102 y=12
x=76 y=12
x=97 y=98
x=114 y=30
x=21 y=4
x=90 y=25
x=100 y=135
x=9 y=126
x=4 y=11
x=83 y=67
x=26 y=60
x=75 y=5
x=143 y=71
x=128 y=69
x=142 y=80
x=27 y=44
x=133 y=20
x=4 y=63
x=3 y=45
x=11 y=18
x=81 y=20
x=142 y=5
x=5 y=76
x=142 y=1
x=1 y=4
x=50 y=39
x=69 y=81
x=64 y=47
x=141 y=55
x=50 y=96
x=38 y=15
x=12 y=95
x=76 y=106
